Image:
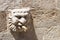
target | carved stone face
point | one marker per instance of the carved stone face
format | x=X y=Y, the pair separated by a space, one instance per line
x=19 y=18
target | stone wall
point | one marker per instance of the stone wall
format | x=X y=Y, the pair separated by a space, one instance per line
x=46 y=17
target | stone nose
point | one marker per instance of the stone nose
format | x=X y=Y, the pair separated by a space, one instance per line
x=22 y=20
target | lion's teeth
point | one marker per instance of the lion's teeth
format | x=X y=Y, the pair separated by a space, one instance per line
x=19 y=24
x=25 y=28
x=19 y=27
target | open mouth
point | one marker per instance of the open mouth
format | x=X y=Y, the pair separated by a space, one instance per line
x=22 y=27
x=19 y=28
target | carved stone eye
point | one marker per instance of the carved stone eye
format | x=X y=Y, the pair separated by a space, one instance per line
x=24 y=11
x=13 y=12
x=18 y=17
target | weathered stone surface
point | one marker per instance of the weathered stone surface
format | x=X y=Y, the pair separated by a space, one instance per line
x=3 y=25
x=46 y=17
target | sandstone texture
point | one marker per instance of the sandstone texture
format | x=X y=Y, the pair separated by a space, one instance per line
x=46 y=19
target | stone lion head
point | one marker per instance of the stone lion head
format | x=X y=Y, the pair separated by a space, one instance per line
x=18 y=19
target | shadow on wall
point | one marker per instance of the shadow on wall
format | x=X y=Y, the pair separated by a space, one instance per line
x=29 y=35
